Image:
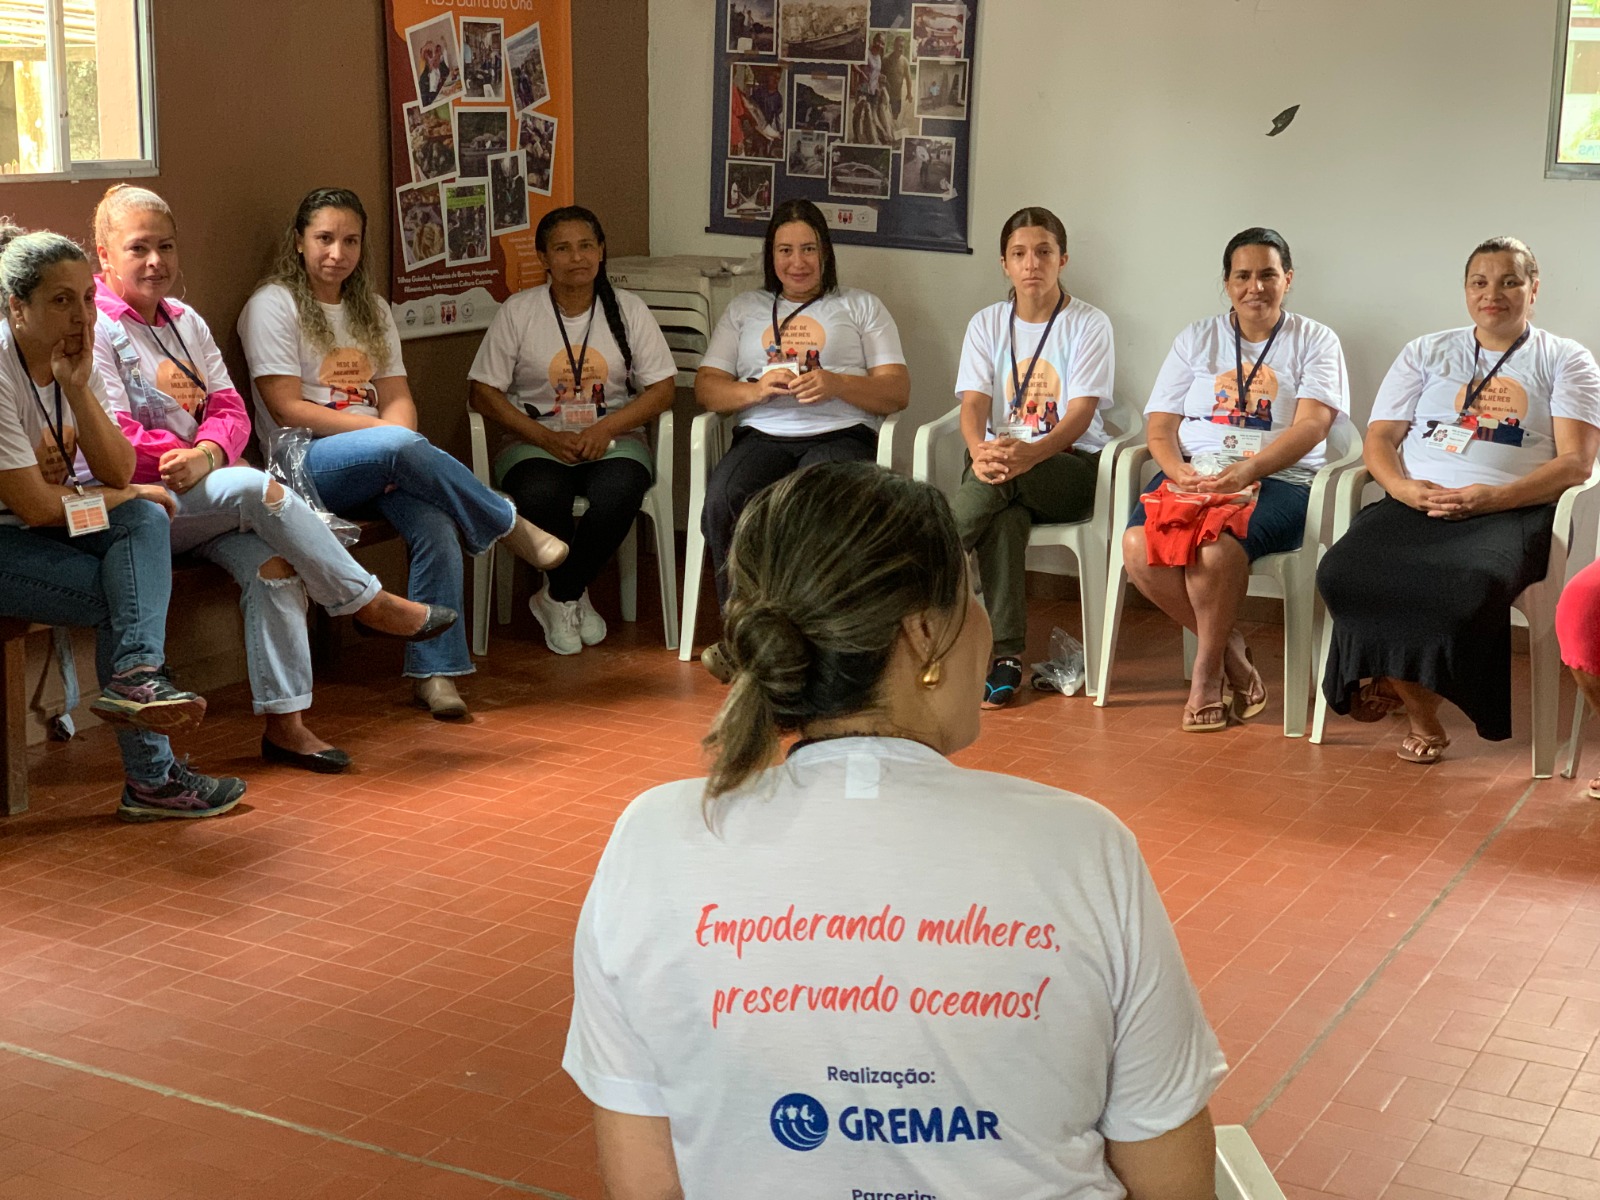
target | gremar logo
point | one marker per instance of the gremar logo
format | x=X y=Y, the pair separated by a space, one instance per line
x=799 y=1122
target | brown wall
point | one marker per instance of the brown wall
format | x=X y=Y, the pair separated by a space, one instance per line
x=260 y=101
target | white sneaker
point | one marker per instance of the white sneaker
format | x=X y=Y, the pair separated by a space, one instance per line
x=559 y=619
x=591 y=625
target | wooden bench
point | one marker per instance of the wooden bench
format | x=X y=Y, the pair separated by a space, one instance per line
x=14 y=668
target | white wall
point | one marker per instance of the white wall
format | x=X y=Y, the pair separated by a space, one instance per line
x=1142 y=122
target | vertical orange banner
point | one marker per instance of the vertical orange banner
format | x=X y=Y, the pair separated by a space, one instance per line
x=480 y=122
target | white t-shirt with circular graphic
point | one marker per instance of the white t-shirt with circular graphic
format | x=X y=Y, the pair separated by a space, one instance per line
x=848 y=332
x=1199 y=382
x=342 y=377
x=522 y=354
x=25 y=434
x=885 y=974
x=1078 y=360
x=1512 y=427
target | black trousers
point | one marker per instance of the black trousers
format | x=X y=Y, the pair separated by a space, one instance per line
x=543 y=492
x=757 y=460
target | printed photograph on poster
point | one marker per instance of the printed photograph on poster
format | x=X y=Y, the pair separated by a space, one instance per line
x=483 y=63
x=823 y=30
x=431 y=138
x=869 y=120
x=747 y=191
x=530 y=86
x=808 y=154
x=752 y=26
x=927 y=165
x=508 y=192
x=480 y=132
x=755 y=111
x=941 y=89
x=899 y=83
x=421 y=224
x=939 y=30
x=435 y=59
x=818 y=102
x=536 y=137
x=859 y=171
x=466 y=215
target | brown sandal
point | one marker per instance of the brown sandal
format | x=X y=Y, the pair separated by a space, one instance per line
x=1593 y=790
x=1374 y=701
x=1191 y=716
x=1252 y=700
x=1421 y=748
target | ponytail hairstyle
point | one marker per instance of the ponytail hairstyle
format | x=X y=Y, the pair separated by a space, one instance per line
x=1526 y=262
x=1032 y=217
x=25 y=257
x=825 y=566
x=602 y=285
x=121 y=199
x=368 y=320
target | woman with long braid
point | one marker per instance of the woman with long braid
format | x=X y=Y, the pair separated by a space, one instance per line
x=575 y=394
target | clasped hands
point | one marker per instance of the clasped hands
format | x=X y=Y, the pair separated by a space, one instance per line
x=816 y=384
x=1448 y=504
x=581 y=445
x=1235 y=477
x=1004 y=459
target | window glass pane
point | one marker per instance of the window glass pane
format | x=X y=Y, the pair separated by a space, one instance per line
x=1578 y=139
x=103 y=78
x=24 y=88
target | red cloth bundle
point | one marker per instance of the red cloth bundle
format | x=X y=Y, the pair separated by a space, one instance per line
x=1177 y=523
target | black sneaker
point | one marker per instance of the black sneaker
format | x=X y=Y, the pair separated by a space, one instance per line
x=145 y=697
x=186 y=794
x=1005 y=677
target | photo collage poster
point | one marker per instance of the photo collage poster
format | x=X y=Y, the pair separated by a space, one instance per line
x=861 y=106
x=480 y=111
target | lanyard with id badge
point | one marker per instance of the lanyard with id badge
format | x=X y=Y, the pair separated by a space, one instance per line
x=1247 y=443
x=86 y=511
x=577 y=413
x=775 y=357
x=1016 y=426
x=1454 y=437
x=199 y=410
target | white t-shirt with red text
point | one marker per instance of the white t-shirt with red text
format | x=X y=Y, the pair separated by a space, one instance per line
x=341 y=377
x=885 y=974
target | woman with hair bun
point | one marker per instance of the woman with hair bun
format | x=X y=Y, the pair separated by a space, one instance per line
x=1474 y=435
x=1036 y=369
x=324 y=356
x=1241 y=409
x=80 y=542
x=753 y=942
x=577 y=394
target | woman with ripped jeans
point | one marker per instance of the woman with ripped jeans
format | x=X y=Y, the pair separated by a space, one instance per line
x=167 y=387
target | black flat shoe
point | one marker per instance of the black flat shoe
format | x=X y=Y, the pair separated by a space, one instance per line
x=438 y=620
x=323 y=762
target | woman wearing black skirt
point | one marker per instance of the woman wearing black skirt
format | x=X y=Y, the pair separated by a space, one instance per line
x=1474 y=434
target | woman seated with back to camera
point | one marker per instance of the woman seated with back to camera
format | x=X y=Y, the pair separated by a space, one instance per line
x=167 y=387
x=1255 y=390
x=811 y=370
x=1069 y=1053
x=577 y=394
x=324 y=356
x=1474 y=435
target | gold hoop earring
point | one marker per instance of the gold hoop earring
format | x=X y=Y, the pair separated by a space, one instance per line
x=932 y=675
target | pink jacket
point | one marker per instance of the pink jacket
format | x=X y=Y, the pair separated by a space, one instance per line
x=227 y=422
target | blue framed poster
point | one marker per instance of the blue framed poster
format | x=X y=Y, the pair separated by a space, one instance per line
x=861 y=106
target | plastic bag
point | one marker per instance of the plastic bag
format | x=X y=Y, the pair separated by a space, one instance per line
x=1208 y=464
x=1064 y=671
x=288 y=466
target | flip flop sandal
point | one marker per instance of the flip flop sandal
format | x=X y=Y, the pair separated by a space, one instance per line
x=1191 y=716
x=1243 y=706
x=1373 y=702
x=1005 y=677
x=1593 y=790
x=1422 y=750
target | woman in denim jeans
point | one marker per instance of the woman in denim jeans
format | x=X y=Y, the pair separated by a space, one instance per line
x=324 y=355
x=168 y=388
x=79 y=543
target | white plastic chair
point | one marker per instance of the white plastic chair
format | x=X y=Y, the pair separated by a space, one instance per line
x=1241 y=1172
x=939 y=457
x=657 y=507
x=709 y=435
x=1290 y=577
x=1572 y=547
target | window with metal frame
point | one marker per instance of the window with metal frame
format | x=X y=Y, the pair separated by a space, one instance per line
x=77 y=89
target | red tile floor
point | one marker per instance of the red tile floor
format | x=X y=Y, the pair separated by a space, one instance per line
x=358 y=986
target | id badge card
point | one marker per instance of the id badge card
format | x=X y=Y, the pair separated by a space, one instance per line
x=1020 y=430
x=86 y=513
x=578 y=416
x=1248 y=442
x=1450 y=439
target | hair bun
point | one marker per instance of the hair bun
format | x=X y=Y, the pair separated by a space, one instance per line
x=10 y=231
x=764 y=641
